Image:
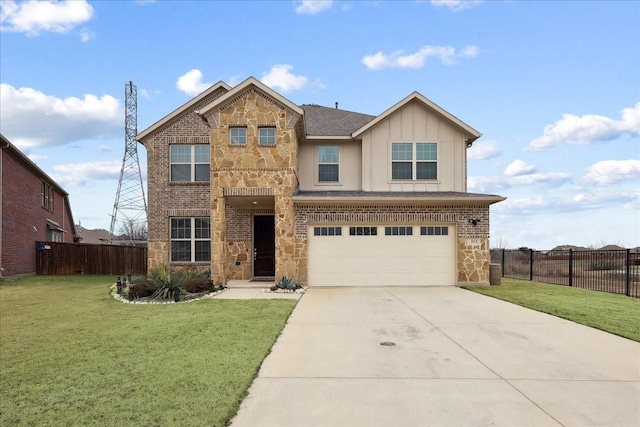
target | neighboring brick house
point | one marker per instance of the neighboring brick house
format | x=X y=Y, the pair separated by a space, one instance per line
x=34 y=208
x=245 y=182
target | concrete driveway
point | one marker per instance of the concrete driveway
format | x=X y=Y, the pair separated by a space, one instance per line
x=439 y=357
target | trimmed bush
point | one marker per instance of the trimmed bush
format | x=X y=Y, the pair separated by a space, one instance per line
x=198 y=285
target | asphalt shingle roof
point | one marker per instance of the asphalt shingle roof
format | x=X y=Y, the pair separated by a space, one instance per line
x=325 y=121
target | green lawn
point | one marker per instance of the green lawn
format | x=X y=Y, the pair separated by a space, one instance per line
x=72 y=355
x=617 y=314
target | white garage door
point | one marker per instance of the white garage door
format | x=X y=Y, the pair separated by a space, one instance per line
x=382 y=255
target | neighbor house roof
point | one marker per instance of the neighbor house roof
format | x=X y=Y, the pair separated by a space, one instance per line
x=182 y=109
x=393 y=197
x=29 y=164
x=417 y=97
x=325 y=121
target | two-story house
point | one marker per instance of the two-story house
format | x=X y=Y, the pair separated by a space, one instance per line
x=244 y=181
x=33 y=208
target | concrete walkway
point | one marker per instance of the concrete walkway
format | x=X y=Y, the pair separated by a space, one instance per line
x=439 y=357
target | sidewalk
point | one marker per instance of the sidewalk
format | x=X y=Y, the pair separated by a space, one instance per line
x=439 y=357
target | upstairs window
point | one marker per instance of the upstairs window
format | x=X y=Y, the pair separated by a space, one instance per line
x=414 y=160
x=46 y=196
x=328 y=164
x=238 y=135
x=267 y=135
x=190 y=163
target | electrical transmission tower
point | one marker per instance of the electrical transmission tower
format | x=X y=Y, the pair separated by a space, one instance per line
x=129 y=219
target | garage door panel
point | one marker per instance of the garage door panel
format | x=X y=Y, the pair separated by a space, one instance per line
x=382 y=260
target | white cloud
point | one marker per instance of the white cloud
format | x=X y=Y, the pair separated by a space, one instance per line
x=611 y=171
x=518 y=167
x=86 y=35
x=397 y=59
x=587 y=129
x=484 y=150
x=280 y=77
x=548 y=180
x=59 y=120
x=483 y=184
x=81 y=174
x=497 y=184
x=456 y=5
x=191 y=83
x=311 y=7
x=32 y=17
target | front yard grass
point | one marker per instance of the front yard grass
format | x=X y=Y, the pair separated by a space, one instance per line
x=72 y=355
x=617 y=314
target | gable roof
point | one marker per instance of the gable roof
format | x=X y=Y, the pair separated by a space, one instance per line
x=5 y=144
x=251 y=81
x=29 y=164
x=178 y=111
x=325 y=121
x=416 y=96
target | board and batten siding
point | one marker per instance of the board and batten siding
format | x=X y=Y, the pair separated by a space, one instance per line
x=418 y=123
x=350 y=166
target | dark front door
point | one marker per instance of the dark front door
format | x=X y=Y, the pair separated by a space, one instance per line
x=264 y=246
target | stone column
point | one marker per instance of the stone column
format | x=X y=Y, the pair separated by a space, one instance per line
x=218 y=238
x=285 y=242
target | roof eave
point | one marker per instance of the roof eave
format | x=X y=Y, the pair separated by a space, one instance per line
x=242 y=86
x=329 y=137
x=473 y=133
x=375 y=200
x=175 y=113
x=27 y=162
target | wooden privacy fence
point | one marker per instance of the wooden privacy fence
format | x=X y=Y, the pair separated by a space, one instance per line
x=76 y=258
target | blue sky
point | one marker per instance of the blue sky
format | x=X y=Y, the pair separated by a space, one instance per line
x=553 y=86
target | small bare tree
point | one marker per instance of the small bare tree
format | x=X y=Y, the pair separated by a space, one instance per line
x=500 y=242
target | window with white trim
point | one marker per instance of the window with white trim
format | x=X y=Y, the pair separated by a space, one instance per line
x=55 y=236
x=414 y=160
x=328 y=164
x=190 y=239
x=238 y=135
x=267 y=135
x=189 y=163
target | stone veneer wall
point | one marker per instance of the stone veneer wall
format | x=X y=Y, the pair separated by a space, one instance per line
x=252 y=169
x=473 y=258
x=164 y=197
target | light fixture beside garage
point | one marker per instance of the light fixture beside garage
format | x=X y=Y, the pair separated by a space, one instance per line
x=474 y=221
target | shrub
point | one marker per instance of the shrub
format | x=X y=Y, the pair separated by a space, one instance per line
x=191 y=272
x=197 y=285
x=166 y=282
x=286 y=283
x=140 y=289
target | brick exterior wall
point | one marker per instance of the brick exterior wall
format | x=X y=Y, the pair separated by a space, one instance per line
x=164 y=197
x=22 y=211
x=472 y=257
x=253 y=170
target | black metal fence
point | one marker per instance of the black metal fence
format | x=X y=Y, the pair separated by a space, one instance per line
x=614 y=271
